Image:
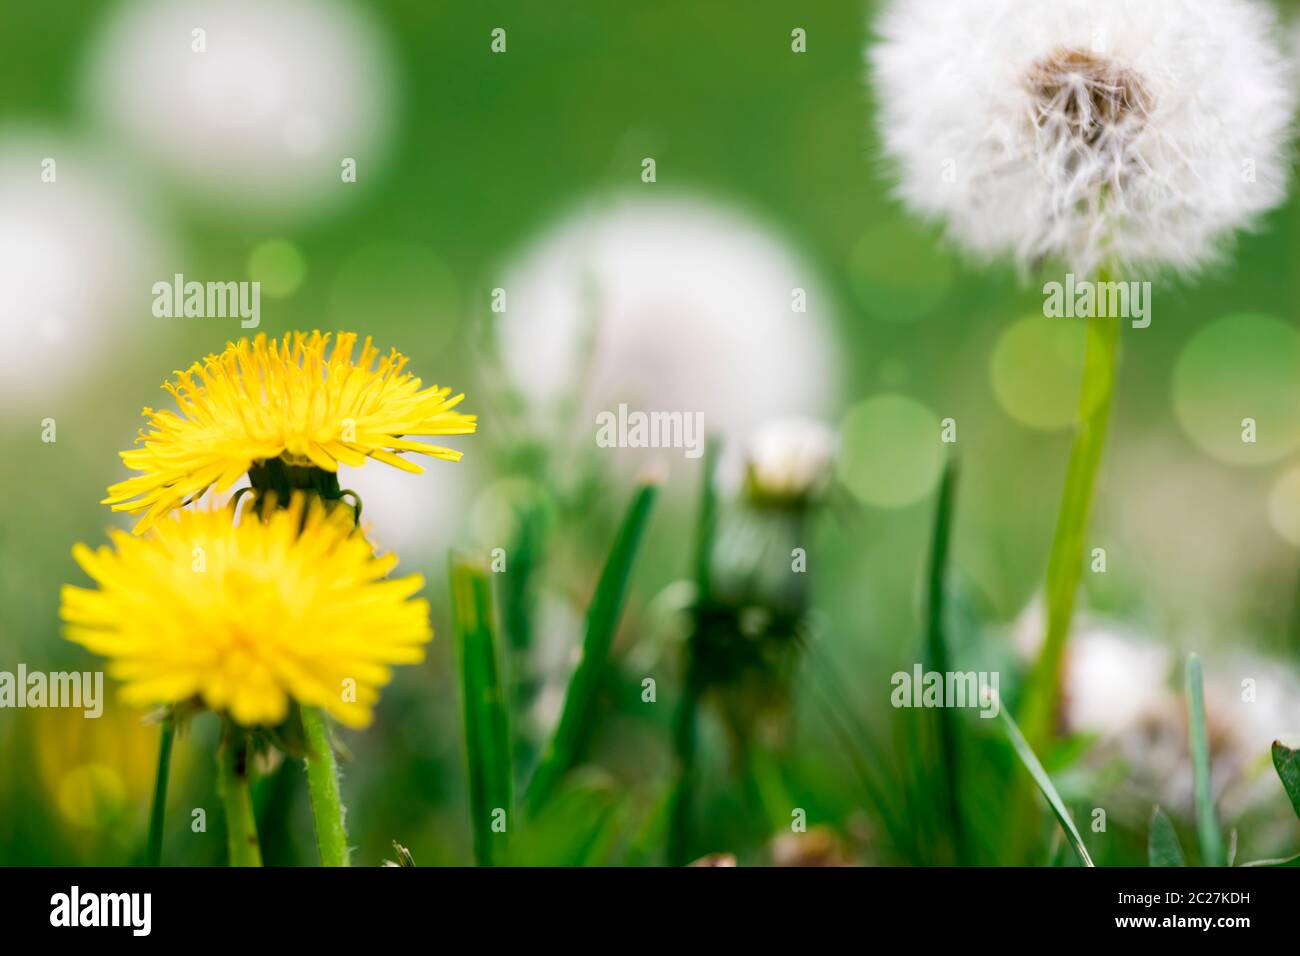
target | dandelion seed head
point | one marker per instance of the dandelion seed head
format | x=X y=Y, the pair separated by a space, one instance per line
x=672 y=303
x=1087 y=132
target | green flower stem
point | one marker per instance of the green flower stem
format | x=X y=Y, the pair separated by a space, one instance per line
x=323 y=790
x=153 y=853
x=236 y=794
x=276 y=481
x=1065 y=564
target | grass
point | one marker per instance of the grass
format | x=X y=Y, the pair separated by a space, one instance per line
x=573 y=819
x=487 y=728
x=1163 y=848
x=602 y=619
x=936 y=649
x=158 y=811
x=1287 y=763
x=1027 y=757
x=1207 y=826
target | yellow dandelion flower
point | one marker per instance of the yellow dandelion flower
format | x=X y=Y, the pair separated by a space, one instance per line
x=288 y=400
x=246 y=617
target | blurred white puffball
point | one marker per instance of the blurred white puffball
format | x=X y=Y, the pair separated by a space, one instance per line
x=1128 y=690
x=78 y=255
x=253 y=104
x=681 y=305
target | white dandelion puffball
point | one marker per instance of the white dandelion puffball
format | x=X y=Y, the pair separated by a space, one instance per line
x=672 y=305
x=254 y=104
x=78 y=254
x=1102 y=133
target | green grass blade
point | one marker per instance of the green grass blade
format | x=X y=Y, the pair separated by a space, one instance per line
x=602 y=620
x=1282 y=861
x=861 y=752
x=516 y=583
x=487 y=730
x=1030 y=760
x=936 y=647
x=1163 y=848
x=1207 y=827
x=575 y=828
x=158 y=811
x=1287 y=763
x=517 y=599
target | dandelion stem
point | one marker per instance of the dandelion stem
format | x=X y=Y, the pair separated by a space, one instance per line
x=323 y=790
x=1065 y=563
x=236 y=795
x=158 y=812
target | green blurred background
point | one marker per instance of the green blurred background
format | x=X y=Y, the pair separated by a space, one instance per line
x=465 y=159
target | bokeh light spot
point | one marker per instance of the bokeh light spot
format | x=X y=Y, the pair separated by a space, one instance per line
x=898 y=273
x=1240 y=367
x=890 y=452
x=1036 y=370
x=91 y=795
x=279 y=266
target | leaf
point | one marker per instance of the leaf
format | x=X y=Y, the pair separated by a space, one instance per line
x=517 y=599
x=1284 y=861
x=576 y=826
x=487 y=730
x=936 y=646
x=1030 y=760
x=1287 y=762
x=1163 y=848
x=1207 y=827
x=516 y=596
x=602 y=620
